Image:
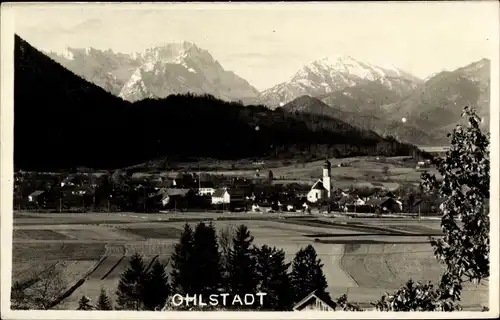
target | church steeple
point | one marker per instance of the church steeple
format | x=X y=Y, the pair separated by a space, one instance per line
x=326 y=177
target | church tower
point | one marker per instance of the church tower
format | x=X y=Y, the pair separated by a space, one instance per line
x=326 y=178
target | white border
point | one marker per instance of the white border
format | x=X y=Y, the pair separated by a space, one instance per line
x=6 y=181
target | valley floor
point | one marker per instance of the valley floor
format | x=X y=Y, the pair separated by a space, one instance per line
x=363 y=257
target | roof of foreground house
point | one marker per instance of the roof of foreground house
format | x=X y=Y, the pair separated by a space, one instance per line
x=314 y=295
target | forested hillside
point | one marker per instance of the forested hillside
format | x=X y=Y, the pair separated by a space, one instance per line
x=62 y=121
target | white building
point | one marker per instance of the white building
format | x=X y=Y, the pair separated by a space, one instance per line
x=221 y=196
x=206 y=191
x=322 y=188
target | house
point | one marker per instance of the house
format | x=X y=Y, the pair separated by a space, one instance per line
x=238 y=198
x=239 y=194
x=386 y=204
x=76 y=190
x=322 y=188
x=171 y=193
x=221 y=196
x=138 y=177
x=206 y=188
x=378 y=185
x=208 y=191
x=390 y=195
x=36 y=196
x=69 y=180
x=315 y=302
x=301 y=193
x=156 y=179
x=293 y=205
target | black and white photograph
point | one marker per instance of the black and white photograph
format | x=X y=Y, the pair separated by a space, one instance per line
x=304 y=158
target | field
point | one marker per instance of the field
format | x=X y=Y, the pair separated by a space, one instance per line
x=345 y=172
x=363 y=257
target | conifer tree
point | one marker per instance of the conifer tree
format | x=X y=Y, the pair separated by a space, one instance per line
x=272 y=271
x=157 y=288
x=225 y=239
x=182 y=266
x=307 y=274
x=84 y=304
x=242 y=264
x=103 y=301
x=207 y=278
x=131 y=286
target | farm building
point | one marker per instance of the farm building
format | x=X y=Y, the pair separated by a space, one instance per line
x=226 y=195
x=315 y=302
x=322 y=188
x=234 y=198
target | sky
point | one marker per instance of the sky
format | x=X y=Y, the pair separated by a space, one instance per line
x=267 y=44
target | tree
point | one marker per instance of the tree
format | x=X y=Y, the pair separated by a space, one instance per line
x=182 y=266
x=465 y=184
x=345 y=305
x=307 y=274
x=84 y=304
x=207 y=276
x=464 y=248
x=131 y=286
x=225 y=245
x=103 y=301
x=48 y=286
x=272 y=275
x=414 y=296
x=242 y=264
x=18 y=297
x=271 y=176
x=385 y=170
x=157 y=288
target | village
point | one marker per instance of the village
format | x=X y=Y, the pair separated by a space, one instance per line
x=189 y=191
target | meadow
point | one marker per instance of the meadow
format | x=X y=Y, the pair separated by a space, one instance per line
x=363 y=257
x=391 y=172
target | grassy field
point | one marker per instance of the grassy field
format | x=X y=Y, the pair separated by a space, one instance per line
x=362 y=257
x=345 y=172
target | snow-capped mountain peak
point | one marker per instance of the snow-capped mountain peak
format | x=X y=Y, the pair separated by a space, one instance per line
x=175 y=53
x=68 y=54
x=178 y=67
x=333 y=73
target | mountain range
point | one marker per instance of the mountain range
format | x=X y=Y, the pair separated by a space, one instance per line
x=62 y=121
x=362 y=94
x=174 y=68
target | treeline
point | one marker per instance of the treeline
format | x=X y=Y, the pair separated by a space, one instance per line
x=62 y=121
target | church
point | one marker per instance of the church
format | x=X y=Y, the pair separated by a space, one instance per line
x=322 y=189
